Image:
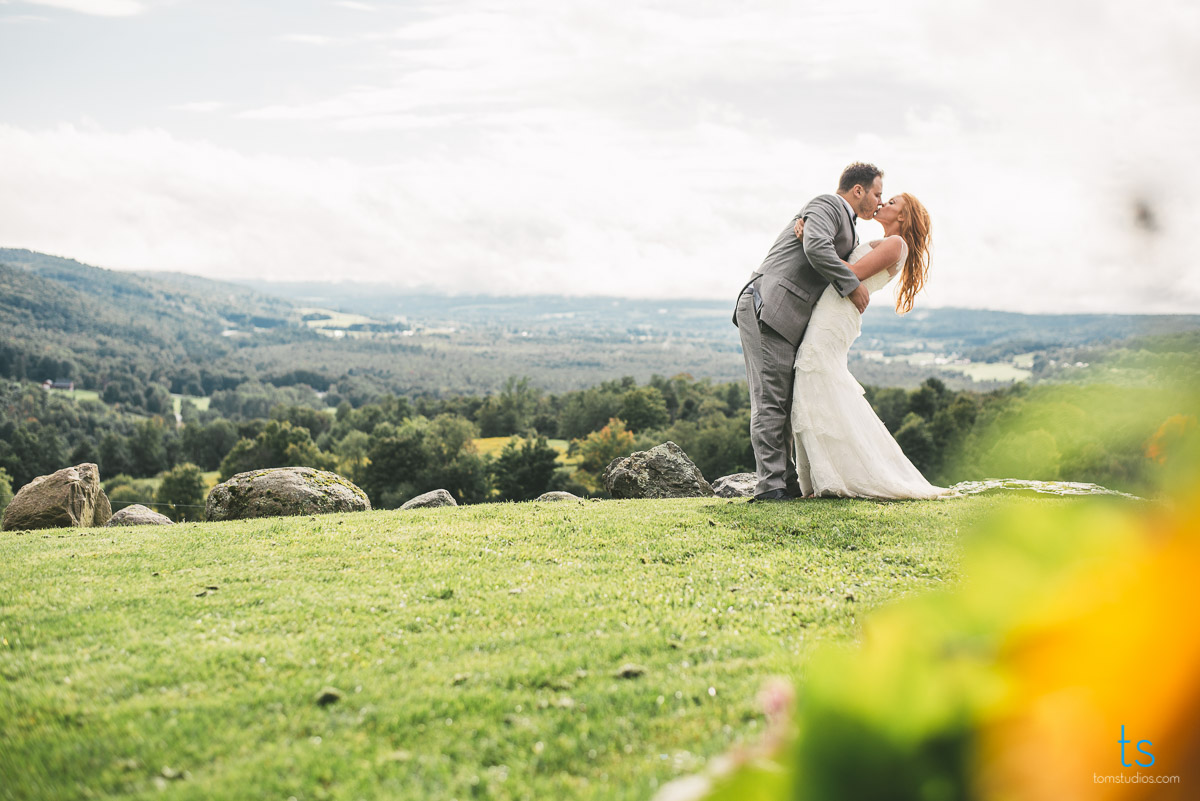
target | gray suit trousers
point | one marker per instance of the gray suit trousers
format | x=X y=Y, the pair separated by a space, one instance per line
x=769 y=372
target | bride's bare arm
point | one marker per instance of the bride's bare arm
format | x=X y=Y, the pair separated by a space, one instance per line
x=884 y=253
x=881 y=257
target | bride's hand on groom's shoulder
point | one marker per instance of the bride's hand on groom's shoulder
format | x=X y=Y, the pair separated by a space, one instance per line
x=799 y=228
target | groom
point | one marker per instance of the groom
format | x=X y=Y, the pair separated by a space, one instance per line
x=774 y=307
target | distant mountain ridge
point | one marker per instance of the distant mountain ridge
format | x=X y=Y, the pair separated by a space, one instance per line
x=198 y=300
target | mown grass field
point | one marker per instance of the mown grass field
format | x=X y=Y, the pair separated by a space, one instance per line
x=477 y=651
x=201 y=402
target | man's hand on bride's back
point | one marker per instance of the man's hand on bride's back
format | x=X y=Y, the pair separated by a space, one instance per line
x=799 y=228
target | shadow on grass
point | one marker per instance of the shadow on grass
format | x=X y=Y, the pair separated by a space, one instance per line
x=835 y=524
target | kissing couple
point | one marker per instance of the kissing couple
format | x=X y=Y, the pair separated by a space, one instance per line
x=813 y=431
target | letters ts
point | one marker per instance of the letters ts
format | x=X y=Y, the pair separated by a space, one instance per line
x=1125 y=742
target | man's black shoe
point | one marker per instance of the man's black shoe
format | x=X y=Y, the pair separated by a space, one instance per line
x=772 y=495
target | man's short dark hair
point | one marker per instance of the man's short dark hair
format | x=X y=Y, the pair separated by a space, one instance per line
x=859 y=174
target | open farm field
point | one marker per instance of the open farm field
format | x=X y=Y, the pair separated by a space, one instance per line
x=492 y=446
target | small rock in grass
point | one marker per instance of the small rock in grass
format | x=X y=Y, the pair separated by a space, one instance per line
x=329 y=695
x=630 y=671
x=436 y=498
x=138 y=515
x=550 y=497
x=738 y=485
x=460 y=678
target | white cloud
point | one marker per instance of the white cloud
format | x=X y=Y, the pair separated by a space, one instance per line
x=199 y=107
x=99 y=8
x=657 y=151
x=309 y=39
x=556 y=215
x=18 y=19
x=147 y=200
x=350 y=4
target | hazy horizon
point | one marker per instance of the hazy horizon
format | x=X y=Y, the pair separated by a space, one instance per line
x=589 y=150
x=879 y=304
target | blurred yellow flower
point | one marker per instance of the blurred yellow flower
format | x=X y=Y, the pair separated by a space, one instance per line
x=1114 y=655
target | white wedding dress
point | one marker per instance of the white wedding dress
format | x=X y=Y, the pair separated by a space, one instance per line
x=843 y=449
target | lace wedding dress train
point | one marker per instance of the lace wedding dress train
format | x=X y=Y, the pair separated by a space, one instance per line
x=843 y=449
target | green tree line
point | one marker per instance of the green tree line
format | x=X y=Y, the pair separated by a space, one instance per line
x=396 y=447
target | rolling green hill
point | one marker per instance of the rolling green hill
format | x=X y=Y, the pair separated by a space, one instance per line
x=583 y=650
x=63 y=319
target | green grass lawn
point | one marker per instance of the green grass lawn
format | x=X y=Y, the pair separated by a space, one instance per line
x=476 y=650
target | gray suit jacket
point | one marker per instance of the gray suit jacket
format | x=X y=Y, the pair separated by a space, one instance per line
x=794 y=273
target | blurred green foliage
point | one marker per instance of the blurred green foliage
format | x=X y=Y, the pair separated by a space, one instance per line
x=1065 y=618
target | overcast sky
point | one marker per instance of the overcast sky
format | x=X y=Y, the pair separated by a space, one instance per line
x=650 y=149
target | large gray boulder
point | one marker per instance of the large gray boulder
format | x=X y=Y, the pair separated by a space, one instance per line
x=438 y=497
x=71 y=497
x=282 y=492
x=736 y=485
x=664 y=471
x=138 y=515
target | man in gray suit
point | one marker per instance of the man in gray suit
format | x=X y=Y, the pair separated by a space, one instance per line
x=774 y=307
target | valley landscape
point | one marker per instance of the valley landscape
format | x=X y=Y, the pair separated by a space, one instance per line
x=508 y=649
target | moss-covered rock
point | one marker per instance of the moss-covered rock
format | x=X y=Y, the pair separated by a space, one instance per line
x=284 y=491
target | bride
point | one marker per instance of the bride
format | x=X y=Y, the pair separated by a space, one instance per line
x=843 y=449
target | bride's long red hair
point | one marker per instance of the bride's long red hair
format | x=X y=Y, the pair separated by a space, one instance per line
x=915 y=230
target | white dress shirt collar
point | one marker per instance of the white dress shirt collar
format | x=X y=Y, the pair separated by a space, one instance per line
x=853 y=214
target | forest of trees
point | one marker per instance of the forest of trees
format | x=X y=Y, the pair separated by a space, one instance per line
x=396 y=447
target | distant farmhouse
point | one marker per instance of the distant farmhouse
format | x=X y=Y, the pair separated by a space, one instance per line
x=59 y=383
